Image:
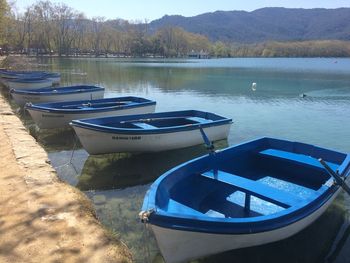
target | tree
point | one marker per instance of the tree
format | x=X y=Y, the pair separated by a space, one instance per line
x=220 y=49
x=4 y=18
x=43 y=13
x=65 y=27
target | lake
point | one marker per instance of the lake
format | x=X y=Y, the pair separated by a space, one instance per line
x=301 y=99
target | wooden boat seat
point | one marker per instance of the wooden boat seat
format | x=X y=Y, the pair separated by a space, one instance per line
x=258 y=189
x=198 y=120
x=144 y=125
x=295 y=157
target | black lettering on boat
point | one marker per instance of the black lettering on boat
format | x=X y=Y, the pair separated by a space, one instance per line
x=30 y=98
x=52 y=116
x=126 y=137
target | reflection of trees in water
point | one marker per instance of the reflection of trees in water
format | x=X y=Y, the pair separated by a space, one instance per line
x=133 y=76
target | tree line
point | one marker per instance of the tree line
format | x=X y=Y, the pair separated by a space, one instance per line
x=57 y=29
x=314 y=48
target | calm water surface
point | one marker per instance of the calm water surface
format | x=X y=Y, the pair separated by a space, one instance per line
x=116 y=183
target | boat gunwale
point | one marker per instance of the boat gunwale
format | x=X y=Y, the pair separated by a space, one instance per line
x=21 y=74
x=157 y=130
x=30 y=80
x=53 y=91
x=41 y=108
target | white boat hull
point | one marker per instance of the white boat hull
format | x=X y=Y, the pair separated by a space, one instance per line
x=98 y=142
x=29 y=85
x=50 y=120
x=181 y=246
x=22 y=99
x=55 y=80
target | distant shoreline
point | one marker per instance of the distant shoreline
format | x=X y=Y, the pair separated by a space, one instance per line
x=158 y=57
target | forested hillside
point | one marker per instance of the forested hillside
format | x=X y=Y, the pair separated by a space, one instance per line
x=266 y=24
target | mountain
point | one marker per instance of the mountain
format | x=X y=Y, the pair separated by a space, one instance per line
x=266 y=24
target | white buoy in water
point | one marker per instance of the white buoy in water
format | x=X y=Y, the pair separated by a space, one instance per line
x=254 y=86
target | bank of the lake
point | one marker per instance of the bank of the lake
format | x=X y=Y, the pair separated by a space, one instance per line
x=43 y=219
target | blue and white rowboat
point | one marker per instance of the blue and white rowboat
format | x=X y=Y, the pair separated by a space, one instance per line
x=53 y=76
x=29 y=83
x=13 y=74
x=15 y=78
x=247 y=195
x=60 y=114
x=52 y=94
x=149 y=132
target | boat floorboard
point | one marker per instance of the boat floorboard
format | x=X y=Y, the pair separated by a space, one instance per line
x=198 y=120
x=263 y=191
x=143 y=125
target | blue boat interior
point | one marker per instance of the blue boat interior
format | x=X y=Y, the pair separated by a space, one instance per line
x=157 y=120
x=30 y=79
x=11 y=74
x=258 y=179
x=106 y=103
x=161 y=122
x=57 y=90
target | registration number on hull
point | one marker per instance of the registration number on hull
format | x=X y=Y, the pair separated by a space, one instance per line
x=126 y=137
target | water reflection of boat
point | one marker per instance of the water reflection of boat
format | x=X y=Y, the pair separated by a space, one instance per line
x=56 y=139
x=115 y=171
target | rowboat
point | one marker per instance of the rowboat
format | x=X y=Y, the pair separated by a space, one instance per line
x=7 y=76
x=14 y=74
x=247 y=195
x=149 y=132
x=53 y=76
x=52 y=94
x=59 y=114
x=29 y=83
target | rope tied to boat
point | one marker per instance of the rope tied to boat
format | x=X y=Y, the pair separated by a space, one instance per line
x=28 y=104
x=144 y=215
x=207 y=142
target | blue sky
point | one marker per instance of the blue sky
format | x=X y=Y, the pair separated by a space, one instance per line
x=153 y=9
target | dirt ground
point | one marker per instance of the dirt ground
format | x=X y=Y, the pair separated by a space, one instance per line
x=41 y=218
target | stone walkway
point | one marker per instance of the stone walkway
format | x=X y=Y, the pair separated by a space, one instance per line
x=41 y=218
